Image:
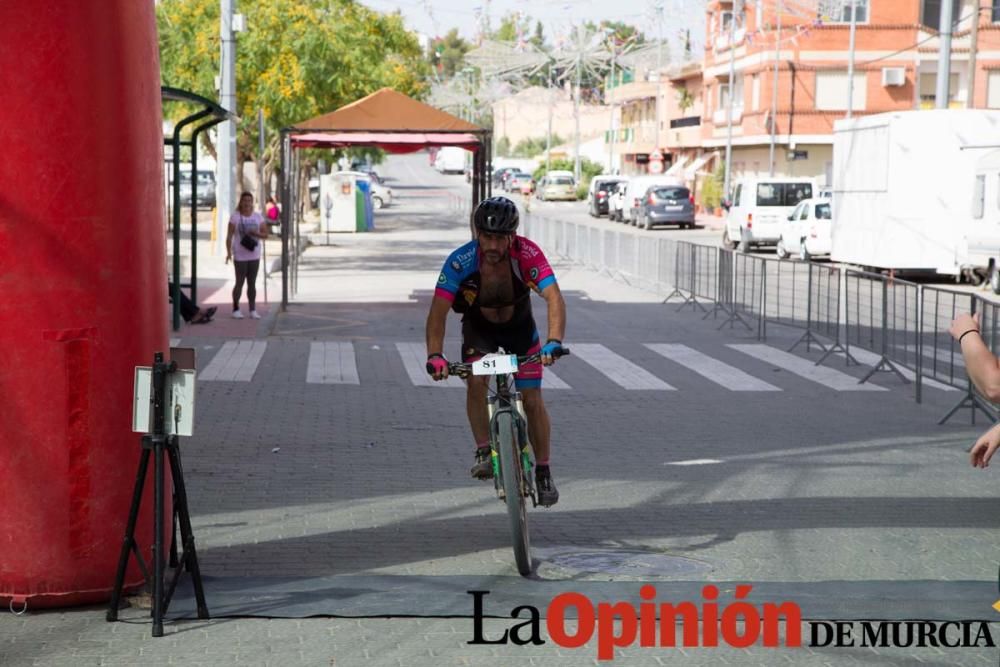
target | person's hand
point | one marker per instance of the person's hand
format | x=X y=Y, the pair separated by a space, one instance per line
x=229 y=256
x=437 y=366
x=963 y=323
x=551 y=347
x=982 y=451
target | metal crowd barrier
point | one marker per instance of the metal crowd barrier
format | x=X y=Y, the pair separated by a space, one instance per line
x=890 y=325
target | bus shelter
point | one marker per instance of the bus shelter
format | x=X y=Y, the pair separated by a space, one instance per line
x=207 y=114
x=386 y=119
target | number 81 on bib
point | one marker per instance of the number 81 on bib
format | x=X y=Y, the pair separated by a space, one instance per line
x=495 y=364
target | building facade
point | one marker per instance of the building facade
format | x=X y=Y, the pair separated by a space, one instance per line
x=790 y=81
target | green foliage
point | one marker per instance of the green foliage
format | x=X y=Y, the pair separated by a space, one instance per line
x=582 y=190
x=711 y=189
x=297 y=59
x=685 y=100
x=533 y=146
x=588 y=169
x=503 y=147
x=448 y=53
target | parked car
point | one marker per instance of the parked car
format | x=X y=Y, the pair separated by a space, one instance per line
x=807 y=231
x=381 y=194
x=636 y=191
x=599 y=195
x=499 y=175
x=206 y=189
x=516 y=180
x=759 y=207
x=616 y=201
x=557 y=185
x=667 y=205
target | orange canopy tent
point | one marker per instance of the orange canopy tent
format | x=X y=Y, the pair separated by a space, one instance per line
x=389 y=120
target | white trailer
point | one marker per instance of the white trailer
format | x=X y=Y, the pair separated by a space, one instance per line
x=903 y=187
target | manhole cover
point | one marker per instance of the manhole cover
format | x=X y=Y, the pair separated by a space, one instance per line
x=622 y=562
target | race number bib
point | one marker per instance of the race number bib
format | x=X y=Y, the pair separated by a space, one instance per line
x=495 y=364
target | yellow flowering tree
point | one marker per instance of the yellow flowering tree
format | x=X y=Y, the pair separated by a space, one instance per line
x=296 y=59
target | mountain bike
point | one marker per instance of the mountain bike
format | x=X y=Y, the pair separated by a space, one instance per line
x=510 y=449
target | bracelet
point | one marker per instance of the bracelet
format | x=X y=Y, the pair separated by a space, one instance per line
x=966 y=334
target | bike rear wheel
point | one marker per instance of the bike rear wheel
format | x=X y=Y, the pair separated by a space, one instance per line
x=512 y=474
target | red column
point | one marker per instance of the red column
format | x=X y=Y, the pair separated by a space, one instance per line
x=82 y=287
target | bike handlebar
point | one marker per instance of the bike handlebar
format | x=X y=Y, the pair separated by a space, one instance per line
x=462 y=370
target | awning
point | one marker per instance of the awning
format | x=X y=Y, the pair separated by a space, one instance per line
x=691 y=172
x=393 y=142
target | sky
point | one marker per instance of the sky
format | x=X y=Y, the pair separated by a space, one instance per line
x=436 y=17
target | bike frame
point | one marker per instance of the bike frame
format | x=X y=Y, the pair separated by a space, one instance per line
x=503 y=400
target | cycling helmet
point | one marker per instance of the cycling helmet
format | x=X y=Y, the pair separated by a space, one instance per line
x=496 y=215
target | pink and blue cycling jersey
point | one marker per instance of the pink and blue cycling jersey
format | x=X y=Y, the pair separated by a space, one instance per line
x=527 y=260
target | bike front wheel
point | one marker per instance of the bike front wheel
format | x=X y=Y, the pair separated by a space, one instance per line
x=512 y=475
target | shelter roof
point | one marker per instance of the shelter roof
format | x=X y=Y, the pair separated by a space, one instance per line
x=387 y=110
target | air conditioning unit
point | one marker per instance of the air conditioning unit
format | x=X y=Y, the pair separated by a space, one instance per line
x=893 y=76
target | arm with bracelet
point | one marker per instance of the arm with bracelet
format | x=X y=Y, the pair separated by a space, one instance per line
x=982 y=366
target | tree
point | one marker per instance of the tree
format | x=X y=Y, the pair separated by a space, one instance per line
x=297 y=59
x=448 y=53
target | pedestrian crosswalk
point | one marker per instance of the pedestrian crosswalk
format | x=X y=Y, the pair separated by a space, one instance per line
x=590 y=364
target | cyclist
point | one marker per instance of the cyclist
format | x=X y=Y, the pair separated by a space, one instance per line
x=489 y=281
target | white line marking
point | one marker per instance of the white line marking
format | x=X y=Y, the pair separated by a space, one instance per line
x=806 y=369
x=618 y=369
x=174 y=342
x=721 y=373
x=693 y=462
x=414 y=356
x=552 y=381
x=332 y=362
x=237 y=361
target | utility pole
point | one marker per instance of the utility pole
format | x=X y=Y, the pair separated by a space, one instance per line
x=576 y=117
x=659 y=68
x=226 y=153
x=850 y=58
x=737 y=8
x=608 y=92
x=973 y=45
x=548 y=132
x=774 y=88
x=944 y=57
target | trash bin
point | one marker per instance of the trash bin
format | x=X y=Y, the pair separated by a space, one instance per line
x=345 y=203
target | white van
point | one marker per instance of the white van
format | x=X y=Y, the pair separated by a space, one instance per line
x=759 y=207
x=636 y=189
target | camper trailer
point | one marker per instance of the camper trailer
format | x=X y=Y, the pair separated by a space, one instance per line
x=904 y=186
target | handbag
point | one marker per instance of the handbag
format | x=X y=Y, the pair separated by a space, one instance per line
x=248 y=242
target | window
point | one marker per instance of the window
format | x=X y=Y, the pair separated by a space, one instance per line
x=672 y=193
x=995 y=14
x=724 y=94
x=978 y=197
x=804 y=215
x=736 y=197
x=839 y=11
x=823 y=212
x=782 y=194
x=831 y=90
x=930 y=12
x=993 y=89
x=928 y=89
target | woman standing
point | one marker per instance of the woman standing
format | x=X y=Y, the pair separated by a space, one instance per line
x=247 y=231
